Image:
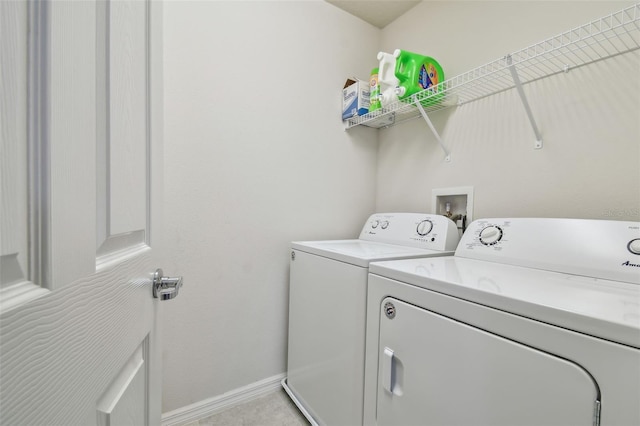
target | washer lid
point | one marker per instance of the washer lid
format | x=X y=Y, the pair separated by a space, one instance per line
x=593 y=306
x=361 y=252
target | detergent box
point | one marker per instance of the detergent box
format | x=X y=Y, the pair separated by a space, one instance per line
x=355 y=98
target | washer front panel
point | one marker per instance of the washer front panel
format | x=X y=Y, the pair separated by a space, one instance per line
x=327 y=311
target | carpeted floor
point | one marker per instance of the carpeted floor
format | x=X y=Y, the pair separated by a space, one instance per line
x=274 y=409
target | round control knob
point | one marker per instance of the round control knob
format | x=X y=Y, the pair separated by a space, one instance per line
x=375 y=224
x=424 y=227
x=490 y=235
x=385 y=224
x=634 y=246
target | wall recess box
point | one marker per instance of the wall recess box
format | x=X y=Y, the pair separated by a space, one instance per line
x=459 y=200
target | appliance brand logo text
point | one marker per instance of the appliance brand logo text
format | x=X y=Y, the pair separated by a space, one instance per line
x=627 y=263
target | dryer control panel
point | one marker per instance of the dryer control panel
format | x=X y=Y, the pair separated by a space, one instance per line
x=595 y=248
x=421 y=230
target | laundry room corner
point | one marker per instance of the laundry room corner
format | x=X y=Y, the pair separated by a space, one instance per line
x=255 y=156
x=589 y=163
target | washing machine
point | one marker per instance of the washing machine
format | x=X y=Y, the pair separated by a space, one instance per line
x=531 y=322
x=327 y=309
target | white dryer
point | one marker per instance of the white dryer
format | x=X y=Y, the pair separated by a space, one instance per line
x=327 y=309
x=532 y=322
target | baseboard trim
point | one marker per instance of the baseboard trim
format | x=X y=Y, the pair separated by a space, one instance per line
x=297 y=403
x=211 y=406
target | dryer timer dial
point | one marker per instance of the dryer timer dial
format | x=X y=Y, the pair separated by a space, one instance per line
x=424 y=227
x=490 y=235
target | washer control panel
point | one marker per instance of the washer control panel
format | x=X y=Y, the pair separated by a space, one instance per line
x=596 y=248
x=490 y=235
x=424 y=227
x=412 y=229
x=634 y=246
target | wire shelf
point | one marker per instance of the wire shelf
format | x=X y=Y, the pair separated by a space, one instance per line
x=604 y=38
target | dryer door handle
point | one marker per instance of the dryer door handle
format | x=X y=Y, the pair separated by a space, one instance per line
x=387 y=370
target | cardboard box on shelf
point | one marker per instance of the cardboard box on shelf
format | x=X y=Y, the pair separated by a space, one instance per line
x=355 y=98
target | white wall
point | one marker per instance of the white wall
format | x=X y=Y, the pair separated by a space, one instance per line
x=589 y=118
x=256 y=156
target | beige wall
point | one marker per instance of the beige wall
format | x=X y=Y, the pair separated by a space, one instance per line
x=589 y=118
x=256 y=156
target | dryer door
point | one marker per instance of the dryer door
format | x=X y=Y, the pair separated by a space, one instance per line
x=436 y=371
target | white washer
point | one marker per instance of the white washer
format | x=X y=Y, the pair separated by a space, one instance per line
x=532 y=322
x=327 y=309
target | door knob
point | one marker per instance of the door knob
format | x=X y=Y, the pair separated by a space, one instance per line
x=165 y=288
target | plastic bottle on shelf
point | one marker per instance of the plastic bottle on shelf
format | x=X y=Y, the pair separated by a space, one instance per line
x=387 y=79
x=416 y=73
x=374 y=87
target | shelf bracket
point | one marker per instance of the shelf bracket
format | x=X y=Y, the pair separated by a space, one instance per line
x=447 y=154
x=525 y=103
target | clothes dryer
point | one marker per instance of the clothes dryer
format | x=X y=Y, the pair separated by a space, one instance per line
x=327 y=309
x=532 y=322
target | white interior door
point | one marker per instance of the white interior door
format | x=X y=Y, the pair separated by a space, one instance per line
x=436 y=371
x=81 y=183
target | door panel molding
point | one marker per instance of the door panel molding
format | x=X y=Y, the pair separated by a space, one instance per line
x=123 y=142
x=39 y=161
x=72 y=141
x=24 y=237
x=124 y=401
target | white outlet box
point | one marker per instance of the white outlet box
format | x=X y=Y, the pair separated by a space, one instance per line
x=459 y=199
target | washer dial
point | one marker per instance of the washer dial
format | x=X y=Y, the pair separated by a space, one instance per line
x=384 y=224
x=634 y=246
x=424 y=227
x=375 y=224
x=490 y=235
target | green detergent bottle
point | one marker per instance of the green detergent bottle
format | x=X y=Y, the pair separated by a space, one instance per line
x=374 y=87
x=416 y=73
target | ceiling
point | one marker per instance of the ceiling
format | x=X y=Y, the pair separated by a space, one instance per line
x=376 y=12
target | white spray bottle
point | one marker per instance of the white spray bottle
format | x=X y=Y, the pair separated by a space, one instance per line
x=387 y=79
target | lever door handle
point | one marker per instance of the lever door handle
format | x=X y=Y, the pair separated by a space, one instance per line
x=165 y=288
